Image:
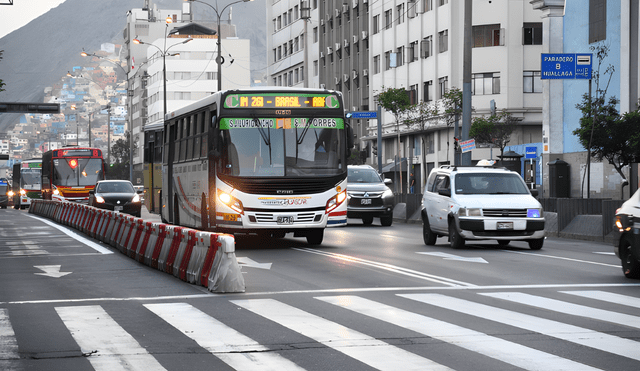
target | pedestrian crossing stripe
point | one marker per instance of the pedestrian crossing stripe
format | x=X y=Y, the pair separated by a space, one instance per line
x=107 y=345
x=578 y=335
x=500 y=349
x=230 y=346
x=370 y=351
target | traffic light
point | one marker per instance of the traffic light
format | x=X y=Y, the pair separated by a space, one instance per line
x=456 y=144
x=375 y=150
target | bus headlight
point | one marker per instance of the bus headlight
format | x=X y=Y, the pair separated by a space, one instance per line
x=335 y=201
x=230 y=201
x=23 y=192
x=10 y=193
x=56 y=192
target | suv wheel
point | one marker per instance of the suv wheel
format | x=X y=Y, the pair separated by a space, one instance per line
x=455 y=239
x=386 y=221
x=427 y=234
x=536 y=244
x=630 y=266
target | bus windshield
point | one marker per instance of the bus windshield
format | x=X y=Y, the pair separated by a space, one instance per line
x=296 y=147
x=77 y=172
x=30 y=178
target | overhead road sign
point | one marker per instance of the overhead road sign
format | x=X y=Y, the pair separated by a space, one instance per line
x=362 y=115
x=566 y=66
x=17 y=107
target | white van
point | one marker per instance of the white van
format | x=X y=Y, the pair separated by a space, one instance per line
x=478 y=203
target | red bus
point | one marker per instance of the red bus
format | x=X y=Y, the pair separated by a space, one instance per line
x=68 y=174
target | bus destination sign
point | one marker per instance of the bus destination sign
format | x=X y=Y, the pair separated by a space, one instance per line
x=281 y=101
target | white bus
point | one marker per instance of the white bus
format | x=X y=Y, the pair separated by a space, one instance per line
x=258 y=161
x=27 y=182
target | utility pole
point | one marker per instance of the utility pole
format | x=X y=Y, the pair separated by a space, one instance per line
x=466 y=79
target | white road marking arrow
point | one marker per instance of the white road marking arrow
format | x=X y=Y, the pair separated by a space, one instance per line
x=51 y=271
x=455 y=257
x=246 y=262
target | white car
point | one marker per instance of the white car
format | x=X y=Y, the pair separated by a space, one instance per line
x=477 y=203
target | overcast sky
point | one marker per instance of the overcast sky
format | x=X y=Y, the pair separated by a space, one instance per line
x=22 y=12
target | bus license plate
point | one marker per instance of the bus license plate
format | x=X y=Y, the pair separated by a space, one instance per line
x=505 y=225
x=117 y=208
x=365 y=201
x=285 y=220
x=231 y=217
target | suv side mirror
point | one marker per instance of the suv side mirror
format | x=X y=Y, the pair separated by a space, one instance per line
x=388 y=181
x=444 y=192
x=534 y=192
x=92 y=192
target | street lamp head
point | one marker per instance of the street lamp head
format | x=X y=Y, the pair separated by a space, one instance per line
x=169 y=20
x=84 y=54
x=137 y=41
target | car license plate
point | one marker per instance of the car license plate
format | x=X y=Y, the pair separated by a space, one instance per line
x=505 y=225
x=365 y=201
x=230 y=217
x=117 y=208
x=285 y=220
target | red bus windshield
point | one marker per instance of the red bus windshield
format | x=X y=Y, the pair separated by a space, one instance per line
x=77 y=172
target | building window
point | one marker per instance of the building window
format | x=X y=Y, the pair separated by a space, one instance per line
x=442 y=2
x=443 y=86
x=532 y=34
x=315 y=68
x=413 y=94
x=301 y=73
x=399 y=56
x=486 y=35
x=597 y=20
x=387 y=59
x=400 y=13
x=428 y=91
x=315 y=34
x=485 y=83
x=413 y=51
x=426 y=47
x=279 y=22
x=376 y=64
x=427 y=5
x=376 y=24
x=443 y=41
x=532 y=82
x=388 y=19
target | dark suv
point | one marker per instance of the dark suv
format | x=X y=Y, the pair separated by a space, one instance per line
x=368 y=196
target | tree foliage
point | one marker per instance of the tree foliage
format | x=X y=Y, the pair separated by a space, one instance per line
x=495 y=129
x=394 y=100
x=120 y=153
x=452 y=104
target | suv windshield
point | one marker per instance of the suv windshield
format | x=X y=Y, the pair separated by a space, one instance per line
x=489 y=184
x=363 y=176
x=115 y=187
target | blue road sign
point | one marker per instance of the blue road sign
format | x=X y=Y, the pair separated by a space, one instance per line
x=566 y=66
x=530 y=152
x=362 y=114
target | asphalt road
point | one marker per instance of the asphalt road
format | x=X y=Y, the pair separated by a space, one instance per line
x=370 y=297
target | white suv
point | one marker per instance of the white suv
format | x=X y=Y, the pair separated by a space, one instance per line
x=477 y=203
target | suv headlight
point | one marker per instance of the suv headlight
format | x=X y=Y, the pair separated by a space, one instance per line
x=387 y=193
x=463 y=211
x=534 y=213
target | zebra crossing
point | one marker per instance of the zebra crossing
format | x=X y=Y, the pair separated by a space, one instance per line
x=372 y=340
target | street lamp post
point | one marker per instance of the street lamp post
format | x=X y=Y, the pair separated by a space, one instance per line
x=219 y=58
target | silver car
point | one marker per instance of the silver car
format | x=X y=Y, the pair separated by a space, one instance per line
x=368 y=196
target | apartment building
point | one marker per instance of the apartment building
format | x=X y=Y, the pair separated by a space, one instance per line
x=417 y=45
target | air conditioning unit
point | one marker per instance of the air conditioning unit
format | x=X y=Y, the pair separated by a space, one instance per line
x=323 y=86
x=365 y=72
x=354 y=108
x=321 y=54
x=355 y=39
x=328 y=16
x=345 y=77
x=345 y=8
x=345 y=43
x=364 y=35
x=329 y=50
x=355 y=3
x=336 y=80
x=337 y=46
x=337 y=12
x=322 y=22
x=354 y=74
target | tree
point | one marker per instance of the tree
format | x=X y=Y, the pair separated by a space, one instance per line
x=120 y=152
x=397 y=102
x=599 y=117
x=452 y=104
x=494 y=130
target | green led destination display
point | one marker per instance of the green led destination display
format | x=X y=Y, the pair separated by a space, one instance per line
x=281 y=123
x=272 y=100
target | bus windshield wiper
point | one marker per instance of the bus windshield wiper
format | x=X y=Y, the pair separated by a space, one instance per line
x=266 y=137
x=304 y=131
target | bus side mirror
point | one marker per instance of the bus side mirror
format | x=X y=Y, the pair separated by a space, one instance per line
x=349 y=137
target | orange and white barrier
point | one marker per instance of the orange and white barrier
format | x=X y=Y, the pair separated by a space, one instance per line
x=201 y=258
